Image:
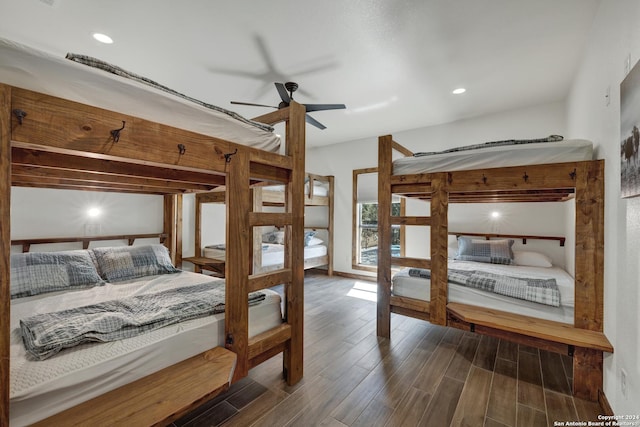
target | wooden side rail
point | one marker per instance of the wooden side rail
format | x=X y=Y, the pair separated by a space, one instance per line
x=157 y=399
x=530 y=326
x=86 y=240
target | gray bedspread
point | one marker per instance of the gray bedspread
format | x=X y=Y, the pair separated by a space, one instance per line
x=543 y=291
x=46 y=334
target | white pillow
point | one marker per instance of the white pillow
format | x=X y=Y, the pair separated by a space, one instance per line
x=315 y=241
x=531 y=259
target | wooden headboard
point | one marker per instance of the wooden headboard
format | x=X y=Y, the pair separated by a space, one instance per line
x=488 y=236
x=86 y=240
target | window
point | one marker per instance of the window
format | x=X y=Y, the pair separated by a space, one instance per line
x=367 y=245
x=365 y=221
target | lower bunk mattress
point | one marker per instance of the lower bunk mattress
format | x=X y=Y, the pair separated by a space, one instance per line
x=405 y=285
x=40 y=388
x=272 y=254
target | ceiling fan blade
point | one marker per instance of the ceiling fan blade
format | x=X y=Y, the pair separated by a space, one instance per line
x=314 y=122
x=321 y=107
x=252 y=104
x=284 y=94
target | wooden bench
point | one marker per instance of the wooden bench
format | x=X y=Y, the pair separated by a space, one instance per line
x=586 y=347
x=530 y=326
x=157 y=399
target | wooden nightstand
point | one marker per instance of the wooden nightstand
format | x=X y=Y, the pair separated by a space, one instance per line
x=214 y=265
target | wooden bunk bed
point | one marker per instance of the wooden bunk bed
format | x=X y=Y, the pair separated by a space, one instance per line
x=78 y=142
x=582 y=180
x=270 y=196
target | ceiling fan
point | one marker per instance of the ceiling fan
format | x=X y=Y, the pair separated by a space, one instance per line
x=286 y=94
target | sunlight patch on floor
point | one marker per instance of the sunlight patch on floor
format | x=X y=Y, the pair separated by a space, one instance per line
x=364 y=290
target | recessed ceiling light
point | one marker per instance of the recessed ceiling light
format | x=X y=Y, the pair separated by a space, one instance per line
x=459 y=91
x=102 y=38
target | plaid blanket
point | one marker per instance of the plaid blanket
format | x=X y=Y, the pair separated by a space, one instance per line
x=46 y=334
x=105 y=66
x=543 y=291
x=550 y=138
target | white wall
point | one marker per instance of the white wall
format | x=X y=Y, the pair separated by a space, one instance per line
x=614 y=37
x=341 y=159
x=37 y=212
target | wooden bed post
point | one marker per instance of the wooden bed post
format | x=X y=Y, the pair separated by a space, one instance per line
x=173 y=226
x=589 y=275
x=439 y=239
x=384 y=236
x=330 y=226
x=295 y=148
x=239 y=247
x=5 y=252
x=197 y=252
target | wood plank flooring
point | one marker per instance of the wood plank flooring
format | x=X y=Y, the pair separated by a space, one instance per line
x=425 y=375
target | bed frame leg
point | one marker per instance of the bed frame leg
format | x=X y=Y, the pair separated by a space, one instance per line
x=587 y=373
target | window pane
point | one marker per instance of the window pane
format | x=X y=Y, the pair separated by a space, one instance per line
x=368 y=234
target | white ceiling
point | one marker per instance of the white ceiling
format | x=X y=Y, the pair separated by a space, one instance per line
x=393 y=63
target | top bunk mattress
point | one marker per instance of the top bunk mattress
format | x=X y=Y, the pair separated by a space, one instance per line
x=496 y=156
x=31 y=69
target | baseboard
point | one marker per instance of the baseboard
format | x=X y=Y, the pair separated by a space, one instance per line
x=604 y=403
x=354 y=276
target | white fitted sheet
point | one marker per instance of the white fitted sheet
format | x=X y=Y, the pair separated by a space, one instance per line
x=499 y=156
x=28 y=68
x=419 y=288
x=273 y=255
x=39 y=389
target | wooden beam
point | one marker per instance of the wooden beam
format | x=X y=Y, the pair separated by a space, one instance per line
x=269 y=279
x=439 y=240
x=39 y=155
x=87 y=130
x=261 y=343
x=524 y=237
x=330 y=225
x=411 y=220
x=294 y=258
x=5 y=252
x=238 y=246
x=275 y=117
x=278 y=219
x=411 y=262
x=401 y=149
x=42 y=174
x=162 y=237
x=589 y=249
x=385 y=166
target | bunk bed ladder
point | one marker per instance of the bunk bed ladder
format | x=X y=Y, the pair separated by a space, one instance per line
x=244 y=221
x=435 y=310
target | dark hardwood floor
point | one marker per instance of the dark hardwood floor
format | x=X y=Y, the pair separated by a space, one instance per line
x=425 y=375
